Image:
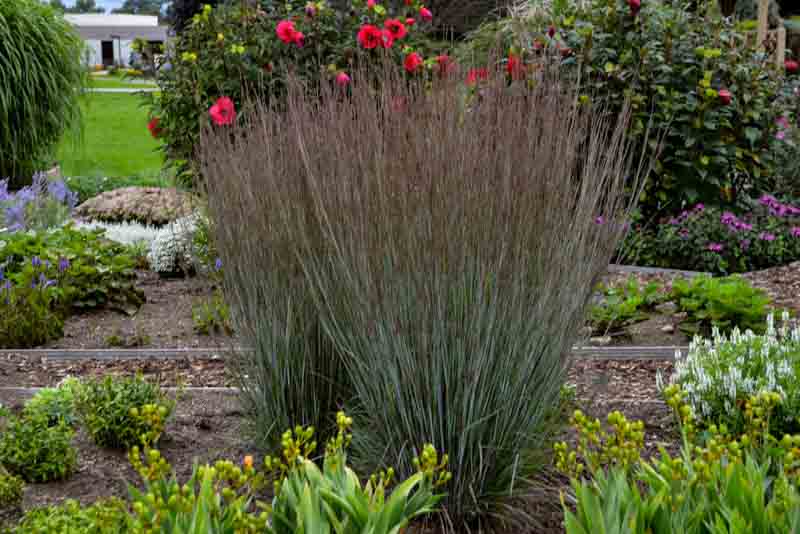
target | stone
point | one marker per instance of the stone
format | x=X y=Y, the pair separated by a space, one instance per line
x=668 y=329
x=667 y=308
x=153 y=206
x=600 y=341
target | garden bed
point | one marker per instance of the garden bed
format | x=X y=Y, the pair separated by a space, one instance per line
x=209 y=425
x=165 y=320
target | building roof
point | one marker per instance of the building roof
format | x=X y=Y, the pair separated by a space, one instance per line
x=124 y=33
x=99 y=19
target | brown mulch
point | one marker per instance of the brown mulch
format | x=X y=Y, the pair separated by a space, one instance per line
x=18 y=370
x=163 y=321
x=782 y=284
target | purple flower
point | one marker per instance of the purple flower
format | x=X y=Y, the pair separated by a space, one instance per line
x=63 y=264
x=728 y=218
x=795 y=232
x=600 y=220
x=4 y=194
x=218 y=264
x=743 y=226
x=783 y=122
x=766 y=236
x=15 y=216
x=61 y=193
x=699 y=207
x=767 y=200
x=715 y=247
x=745 y=243
x=780 y=135
x=684 y=233
x=36 y=262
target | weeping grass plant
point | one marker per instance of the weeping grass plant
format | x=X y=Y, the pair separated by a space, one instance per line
x=42 y=78
x=445 y=246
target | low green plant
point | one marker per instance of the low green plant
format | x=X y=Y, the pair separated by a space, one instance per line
x=222 y=497
x=106 y=516
x=723 y=303
x=36 y=451
x=121 y=412
x=729 y=483
x=625 y=305
x=721 y=373
x=91 y=271
x=27 y=315
x=212 y=316
x=56 y=404
x=10 y=490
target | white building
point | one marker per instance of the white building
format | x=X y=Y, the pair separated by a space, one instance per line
x=109 y=37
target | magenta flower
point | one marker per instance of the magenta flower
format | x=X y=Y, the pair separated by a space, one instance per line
x=715 y=247
x=600 y=220
x=766 y=236
x=795 y=231
x=699 y=207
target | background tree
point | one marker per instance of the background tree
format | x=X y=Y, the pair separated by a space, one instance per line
x=85 y=6
x=141 y=7
x=180 y=12
x=58 y=5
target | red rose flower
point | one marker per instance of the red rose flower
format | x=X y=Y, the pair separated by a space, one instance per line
x=285 y=31
x=477 y=74
x=343 y=79
x=551 y=31
x=387 y=40
x=412 y=62
x=425 y=14
x=396 y=28
x=410 y=21
x=155 y=131
x=409 y=2
x=725 y=96
x=791 y=65
x=514 y=67
x=445 y=64
x=223 y=112
x=369 y=36
x=299 y=39
x=370 y=4
x=635 y=5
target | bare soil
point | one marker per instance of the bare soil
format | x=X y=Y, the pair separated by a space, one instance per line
x=165 y=320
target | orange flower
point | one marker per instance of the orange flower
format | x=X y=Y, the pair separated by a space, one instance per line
x=248 y=461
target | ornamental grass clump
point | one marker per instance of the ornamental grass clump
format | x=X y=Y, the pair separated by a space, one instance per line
x=442 y=250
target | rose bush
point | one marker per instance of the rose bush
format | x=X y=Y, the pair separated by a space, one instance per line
x=230 y=52
x=715 y=98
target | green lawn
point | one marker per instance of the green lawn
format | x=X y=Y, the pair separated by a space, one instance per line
x=115 y=143
x=115 y=82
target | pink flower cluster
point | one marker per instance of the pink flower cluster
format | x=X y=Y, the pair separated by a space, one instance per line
x=715 y=247
x=778 y=208
x=734 y=223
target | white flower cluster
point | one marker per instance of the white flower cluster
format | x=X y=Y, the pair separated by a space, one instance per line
x=127 y=233
x=172 y=249
x=718 y=372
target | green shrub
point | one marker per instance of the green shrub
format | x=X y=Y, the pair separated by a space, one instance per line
x=43 y=76
x=10 y=490
x=91 y=272
x=106 y=516
x=625 y=305
x=122 y=412
x=713 y=97
x=36 y=451
x=720 y=374
x=444 y=267
x=722 y=303
x=234 y=51
x=56 y=404
x=27 y=316
x=212 y=316
x=737 y=483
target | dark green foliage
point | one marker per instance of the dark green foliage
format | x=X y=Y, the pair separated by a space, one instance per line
x=674 y=64
x=34 y=450
x=42 y=78
x=724 y=303
x=100 y=274
x=56 y=404
x=180 y=12
x=28 y=316
x=109 y=409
